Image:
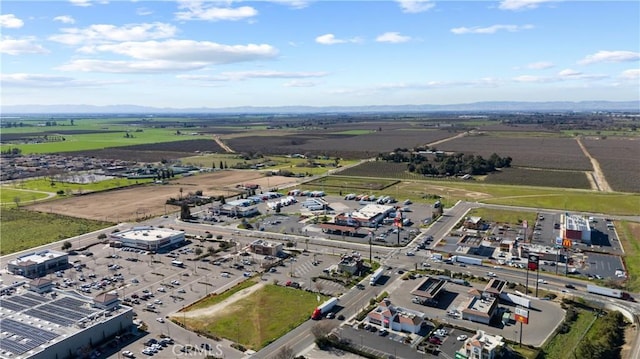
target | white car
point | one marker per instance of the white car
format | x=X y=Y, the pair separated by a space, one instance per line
x=161 y=289
x=157 y=301
x=175 y=282
x=491 y=274
x=128 y=354
x=462 y=337
x=160 y=319
x=181 y=290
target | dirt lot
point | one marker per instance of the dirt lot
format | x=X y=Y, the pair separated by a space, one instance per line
x=149 y=201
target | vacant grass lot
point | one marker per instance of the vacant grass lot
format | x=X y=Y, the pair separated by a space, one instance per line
x=260 y=318
x=563 y=345
x=23 y=229
x=629 y=233
x=8 y=196
x=503 y=216
x=45 y=185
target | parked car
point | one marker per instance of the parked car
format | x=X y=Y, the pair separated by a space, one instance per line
x=462 y=337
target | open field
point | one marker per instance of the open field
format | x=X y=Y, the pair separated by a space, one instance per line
x=9 y=196
x=561 y=345
x=526 y=151
x=629 y=233
x=265 y=315
x=328 y=143
x=19 y=231
x=131 y=204
x=540 y=177
x=44 y=185
x=619 y=159
x=503 y=216
x=352 y=183
x=527 y=196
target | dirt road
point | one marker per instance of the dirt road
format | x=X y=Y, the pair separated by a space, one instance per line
x=599 y=180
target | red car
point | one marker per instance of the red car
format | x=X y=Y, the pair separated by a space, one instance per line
x=435 y=340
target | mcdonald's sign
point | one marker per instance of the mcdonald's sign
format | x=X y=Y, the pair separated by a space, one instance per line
x=567 y=243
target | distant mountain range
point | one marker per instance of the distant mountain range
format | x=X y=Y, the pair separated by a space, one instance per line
x=497 y=106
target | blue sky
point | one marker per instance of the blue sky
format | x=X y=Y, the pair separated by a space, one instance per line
x=184 y=54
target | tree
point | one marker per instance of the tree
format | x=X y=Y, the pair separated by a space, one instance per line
x=285 y=352
x=198 y=251
x=211 y=250
x=185 y=211
x=66 y=245
x=16 y=200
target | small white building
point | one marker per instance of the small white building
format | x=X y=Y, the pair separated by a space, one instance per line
x=38 y=264
x=395 y=318
x=482 y=346
x=147 y=238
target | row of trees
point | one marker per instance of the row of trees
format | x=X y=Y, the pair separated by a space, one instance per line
x=438 y=163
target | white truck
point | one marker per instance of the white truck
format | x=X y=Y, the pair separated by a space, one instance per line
x=467 y=260
x=324 y=308
x=375 y=276
x=609 y=292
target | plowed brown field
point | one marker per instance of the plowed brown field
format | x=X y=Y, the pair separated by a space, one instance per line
x=148 y=201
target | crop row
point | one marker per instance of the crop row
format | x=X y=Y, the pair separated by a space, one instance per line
x=154 y=152
x=619 y=159
x=337 y=145
x=541 y=152
x=538 y=177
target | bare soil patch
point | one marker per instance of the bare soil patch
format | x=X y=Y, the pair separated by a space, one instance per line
x=224 y=305
x=131 y=204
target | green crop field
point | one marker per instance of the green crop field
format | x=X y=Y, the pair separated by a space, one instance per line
x=93 y=141
x=20 y=233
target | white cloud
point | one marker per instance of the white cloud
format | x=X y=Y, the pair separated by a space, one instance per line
x=65 y=19
x=196 y=10
x=563 y=75
x=11 y=46
x=569 y=73
x=122 y=67
x=541 y=65
x=532 y=79
x=298 y=83
x=330 y=39
x=633 y=74
x=83 y=3
x=490 y=29
x=296 y=4
x=100 y=33
x=170 y=55
x=247 y=75
x=415 y=6
x=48 y=81
x=521 y=4
x=143 y=11
x=393 y=37
x=10 y=21
x=610 y=56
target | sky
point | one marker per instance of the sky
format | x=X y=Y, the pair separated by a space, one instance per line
x=218 y=54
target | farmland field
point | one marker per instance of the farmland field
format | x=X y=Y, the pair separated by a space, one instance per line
x=155 y=152
x=381 y=169
x=20 y=233
x=337 y=182
x=539 y=177
x=526 y=151
x=619 y=159
x=337 y=145
x=132 y=204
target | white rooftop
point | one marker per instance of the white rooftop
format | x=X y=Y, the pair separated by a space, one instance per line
x=147 y=233
x=40 y=257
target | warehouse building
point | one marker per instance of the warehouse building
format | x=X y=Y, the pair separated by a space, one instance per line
x=147 y=238
x=57 y=324
x=39 y=264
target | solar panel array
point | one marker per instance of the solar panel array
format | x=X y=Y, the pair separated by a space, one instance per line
x=50 y=317
x=35 y=297
x=12 y=306
x=22 y=337
x=64 y=311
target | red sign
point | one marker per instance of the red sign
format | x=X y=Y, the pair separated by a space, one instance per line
x=521 y=319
